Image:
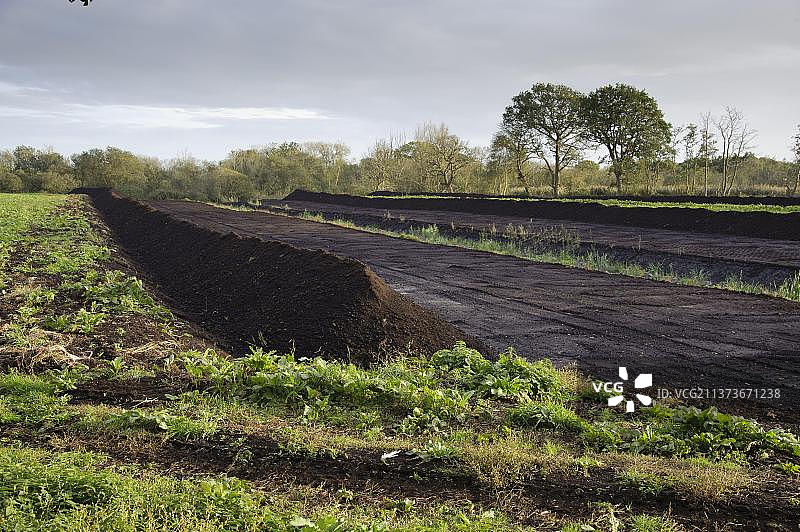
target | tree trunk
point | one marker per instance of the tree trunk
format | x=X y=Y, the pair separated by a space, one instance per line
x=705 y=179
x=725 y=164
x=521 y=178
x=556 y=171
x=688 y=178
x=732 y=180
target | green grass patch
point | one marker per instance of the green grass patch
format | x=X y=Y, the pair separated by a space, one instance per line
x=79 y=491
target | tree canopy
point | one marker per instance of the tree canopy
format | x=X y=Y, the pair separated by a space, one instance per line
x=546 y=121
x=628 y=123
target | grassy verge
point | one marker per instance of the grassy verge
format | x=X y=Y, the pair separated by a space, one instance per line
x=115 y=415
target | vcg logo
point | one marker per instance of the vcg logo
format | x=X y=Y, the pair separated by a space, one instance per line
x=643 y=380
x=84 y=2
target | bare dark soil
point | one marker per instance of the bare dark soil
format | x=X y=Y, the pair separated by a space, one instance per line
x=130 y=393
x=781 y=201
x=754 y=260
x=268 y=292
x=687 y=337
x=756 y=224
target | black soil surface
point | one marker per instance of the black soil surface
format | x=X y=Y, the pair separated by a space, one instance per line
x=757 y=224
x=754 y=260
x=245 y=289
x=687 y=337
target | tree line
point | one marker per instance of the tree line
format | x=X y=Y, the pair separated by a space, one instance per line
x=555 y=125
x=546 y=141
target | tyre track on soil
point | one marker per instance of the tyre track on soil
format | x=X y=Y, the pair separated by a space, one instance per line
x=685 y=336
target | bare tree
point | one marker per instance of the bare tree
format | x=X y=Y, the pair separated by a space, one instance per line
x=737 y=138
x=689 y=143
x=708 y=147
x=443 y=155
x=674 y=142
x=334 y=159
x=745 y=141
x=383 y=164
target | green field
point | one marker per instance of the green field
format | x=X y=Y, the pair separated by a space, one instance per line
x=117 y=415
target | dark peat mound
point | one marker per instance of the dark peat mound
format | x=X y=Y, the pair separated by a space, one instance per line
x=270 y=293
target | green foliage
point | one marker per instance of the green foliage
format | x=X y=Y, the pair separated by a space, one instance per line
x=788 y=468
x=429 y=394
x=161 y=420
x=114 y=290
x=647 y=483
x=18 y=384
x=546 y=121
x=223 y=373
x=711 y=434
x=548 y=415
x=57 y=183
x=86 y=320
x=511 y=376
x=628 y=122
x=10 y=182
x=71 y=488
x=435 y=450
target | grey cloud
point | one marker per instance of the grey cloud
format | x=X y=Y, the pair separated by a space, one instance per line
x=392 y=64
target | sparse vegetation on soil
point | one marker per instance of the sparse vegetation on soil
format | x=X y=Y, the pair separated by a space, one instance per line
x=559 y=247
x=117 y=414
x=727 y=220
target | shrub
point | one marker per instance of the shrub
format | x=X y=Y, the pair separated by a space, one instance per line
x=548 y=415
x=9 y=182
x=509 y=377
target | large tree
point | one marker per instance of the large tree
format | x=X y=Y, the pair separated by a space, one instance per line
x=547 y=121
x=628 y=123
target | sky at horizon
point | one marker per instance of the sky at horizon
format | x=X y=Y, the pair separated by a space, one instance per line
x=167 y=78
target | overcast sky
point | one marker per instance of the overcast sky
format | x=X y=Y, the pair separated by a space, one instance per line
x=166 y=77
